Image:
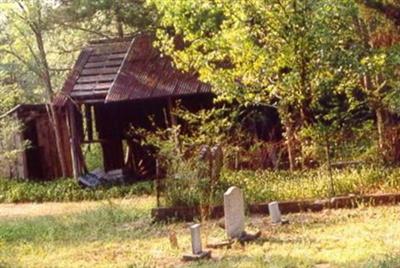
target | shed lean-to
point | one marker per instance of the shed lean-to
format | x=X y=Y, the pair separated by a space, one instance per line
x=40 y=159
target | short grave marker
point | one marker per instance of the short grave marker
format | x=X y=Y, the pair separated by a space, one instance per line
x=274 y=212
x=197 y=251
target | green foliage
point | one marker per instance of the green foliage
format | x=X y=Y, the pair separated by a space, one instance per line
x=11 y=142
x=36 y=52
x=266 y=186
x=65 y=190
x=187 y=180
x=345 y=143
x=103 y=16
x=257 y=51
x=292 y=54
x=93 y=156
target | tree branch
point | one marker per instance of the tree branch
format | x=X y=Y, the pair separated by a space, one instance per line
x=85 y=30
x=22 y=60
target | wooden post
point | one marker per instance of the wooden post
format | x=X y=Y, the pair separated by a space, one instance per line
x=158 y=183
x=328 y=160
x=89 y=122
x=173 y=123
x=172 y=118
x=72 y=139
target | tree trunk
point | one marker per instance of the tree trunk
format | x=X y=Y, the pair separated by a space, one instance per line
x=289 y=144
x=120 y=26
x=380 y=124
x=49 y=93
x=329 y=165
x=70 y=117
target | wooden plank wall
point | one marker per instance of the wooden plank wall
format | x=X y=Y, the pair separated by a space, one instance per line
x=50 y=164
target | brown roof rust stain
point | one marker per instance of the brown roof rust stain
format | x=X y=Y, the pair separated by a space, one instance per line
x=128 y=69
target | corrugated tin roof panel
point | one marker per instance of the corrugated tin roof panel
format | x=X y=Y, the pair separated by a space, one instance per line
x=126 y=70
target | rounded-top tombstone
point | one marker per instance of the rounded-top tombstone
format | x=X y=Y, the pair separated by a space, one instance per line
x=234 y=212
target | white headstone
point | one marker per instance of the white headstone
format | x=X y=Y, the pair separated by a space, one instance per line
x=196 y=239
x=274 y=212
x=234 y=212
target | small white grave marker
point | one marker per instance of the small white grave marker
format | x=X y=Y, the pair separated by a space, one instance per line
x=274 y=212
x=234 y=212
x=197 y=251
x=196 y=239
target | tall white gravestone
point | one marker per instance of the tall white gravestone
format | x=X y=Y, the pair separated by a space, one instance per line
x=234 y=212
x=196 y=239
x=274 y=212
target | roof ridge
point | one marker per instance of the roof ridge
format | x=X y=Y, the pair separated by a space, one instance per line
x=120 y=68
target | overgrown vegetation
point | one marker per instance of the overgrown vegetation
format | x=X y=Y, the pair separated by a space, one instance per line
x=11 y=144
x=65 y=190
x=259 y=186
x=265 y=186
x=324 y=65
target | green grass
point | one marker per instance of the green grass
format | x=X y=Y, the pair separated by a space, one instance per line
x=265 y=186
x=259 y=186
x=120 y=233
x=65 y=190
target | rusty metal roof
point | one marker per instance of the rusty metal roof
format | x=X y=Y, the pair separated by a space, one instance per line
x=23 y=110
x=127 y=69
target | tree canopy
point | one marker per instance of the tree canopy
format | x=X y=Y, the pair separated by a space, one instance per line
x=319 y=62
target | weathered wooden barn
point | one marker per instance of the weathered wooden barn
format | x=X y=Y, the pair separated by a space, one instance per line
x=119 y=85
x=39 y=160
x=115 y=87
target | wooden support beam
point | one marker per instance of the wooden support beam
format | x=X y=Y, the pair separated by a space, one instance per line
x=89 y=122
x=73 y=140
x=172 y=117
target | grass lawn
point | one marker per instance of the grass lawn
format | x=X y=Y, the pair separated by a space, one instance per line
x=119 y=233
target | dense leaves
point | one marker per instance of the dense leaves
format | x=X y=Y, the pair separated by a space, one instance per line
x=293 y=54
x=330 y=68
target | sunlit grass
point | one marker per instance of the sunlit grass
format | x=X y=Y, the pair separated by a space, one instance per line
x=120 y=233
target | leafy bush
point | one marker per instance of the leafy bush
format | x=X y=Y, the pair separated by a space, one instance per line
x=93 y=155
x=11 y=144
x=65 y=190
